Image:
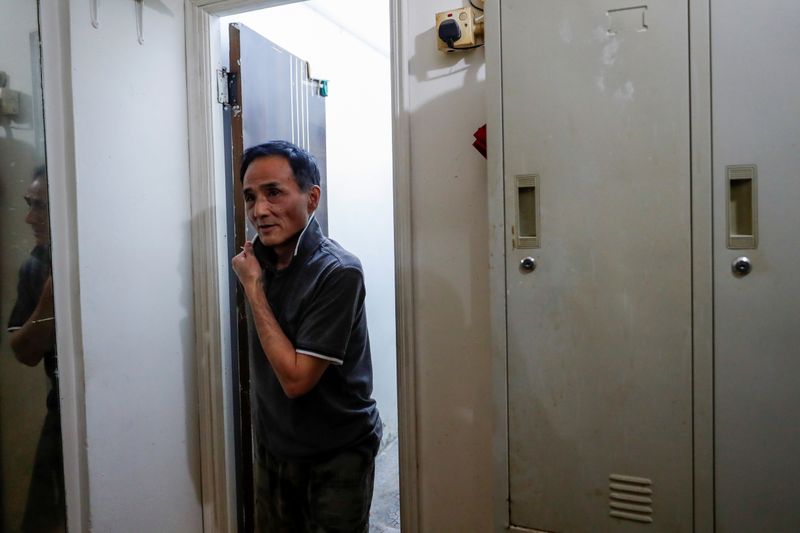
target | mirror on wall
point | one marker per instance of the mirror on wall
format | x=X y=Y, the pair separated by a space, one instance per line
x=31 y=463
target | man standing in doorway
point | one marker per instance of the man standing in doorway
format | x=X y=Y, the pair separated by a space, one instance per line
x=316 y=427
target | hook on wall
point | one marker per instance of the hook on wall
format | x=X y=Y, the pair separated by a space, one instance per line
x=94 y=14
x=139 y=20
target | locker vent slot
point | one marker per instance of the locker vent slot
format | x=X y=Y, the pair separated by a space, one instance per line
x=742 y=216
x=630 y=498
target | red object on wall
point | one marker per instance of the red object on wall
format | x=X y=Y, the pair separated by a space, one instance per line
x=480 y=140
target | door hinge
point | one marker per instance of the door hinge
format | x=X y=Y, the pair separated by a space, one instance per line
x=227 y=88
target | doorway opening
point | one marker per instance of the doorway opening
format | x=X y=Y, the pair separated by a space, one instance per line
x=345 y=48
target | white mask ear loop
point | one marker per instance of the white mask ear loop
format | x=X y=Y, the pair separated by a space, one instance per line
x=300 y=238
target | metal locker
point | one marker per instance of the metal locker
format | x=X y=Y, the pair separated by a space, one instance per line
x=596 y=140
x=756 y=139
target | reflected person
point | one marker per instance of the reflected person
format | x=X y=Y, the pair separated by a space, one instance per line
x=316 y=427
x=32 y=338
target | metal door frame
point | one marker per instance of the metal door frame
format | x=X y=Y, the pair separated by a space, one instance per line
x=702 y=265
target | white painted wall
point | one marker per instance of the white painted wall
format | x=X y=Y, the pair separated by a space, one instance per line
x=133 y=228
x=134 y=252
x=451 y=298
x=343 y=42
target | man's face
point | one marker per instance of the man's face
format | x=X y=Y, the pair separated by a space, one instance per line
x=38 y=214
x=275 y=205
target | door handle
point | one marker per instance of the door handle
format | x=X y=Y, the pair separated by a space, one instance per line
x=742 y=207
x=527 y=230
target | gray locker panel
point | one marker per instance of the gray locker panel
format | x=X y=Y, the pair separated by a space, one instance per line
x=596 y=106
x=756 y=109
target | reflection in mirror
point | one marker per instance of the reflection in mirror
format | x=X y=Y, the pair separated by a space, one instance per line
x=31 y=464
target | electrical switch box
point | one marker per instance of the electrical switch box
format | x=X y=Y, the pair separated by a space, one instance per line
x=9 y=101
x=457 y=29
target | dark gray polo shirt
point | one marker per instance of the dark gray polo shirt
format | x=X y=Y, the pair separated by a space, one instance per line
x=318 y=301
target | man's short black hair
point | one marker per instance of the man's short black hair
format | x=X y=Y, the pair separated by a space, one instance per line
x=304 y=166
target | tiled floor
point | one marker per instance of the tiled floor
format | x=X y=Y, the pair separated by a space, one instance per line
x=385 y=513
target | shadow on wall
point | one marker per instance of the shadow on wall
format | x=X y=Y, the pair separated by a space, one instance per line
x=190 y=363
x=161 y=7
x=444 y=64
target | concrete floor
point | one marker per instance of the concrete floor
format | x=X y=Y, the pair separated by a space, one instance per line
x=385 y=513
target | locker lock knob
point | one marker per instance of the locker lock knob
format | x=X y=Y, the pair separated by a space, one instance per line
x=528 y=264
x=741 y=266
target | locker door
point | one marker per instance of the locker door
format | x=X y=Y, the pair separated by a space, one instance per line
x=597 y=180
x=756 y=138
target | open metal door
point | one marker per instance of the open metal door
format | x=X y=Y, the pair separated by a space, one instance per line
x=270 y=96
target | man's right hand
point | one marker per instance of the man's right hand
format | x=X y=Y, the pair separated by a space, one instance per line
x=246 y=266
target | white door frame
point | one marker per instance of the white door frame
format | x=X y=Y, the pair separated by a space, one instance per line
x=206 y=164
x=60 y=157
x=702 y=264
